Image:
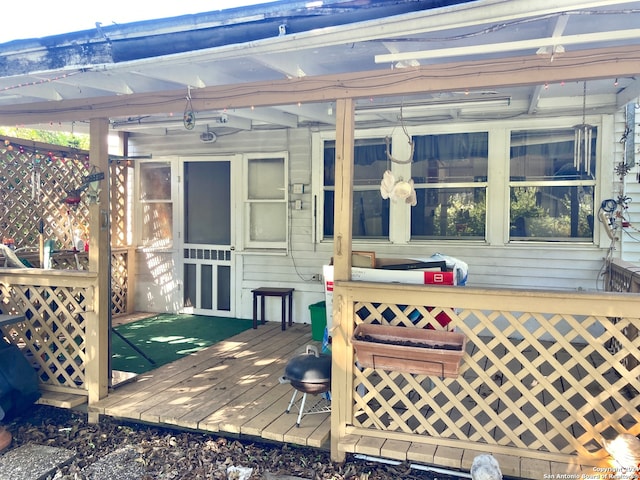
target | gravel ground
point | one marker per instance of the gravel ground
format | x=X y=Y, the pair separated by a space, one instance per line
x=176 y=455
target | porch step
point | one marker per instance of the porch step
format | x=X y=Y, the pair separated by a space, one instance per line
x=424 y=456
x=61 y=400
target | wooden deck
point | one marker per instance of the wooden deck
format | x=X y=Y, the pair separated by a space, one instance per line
x=377 y=445
x=232 y=387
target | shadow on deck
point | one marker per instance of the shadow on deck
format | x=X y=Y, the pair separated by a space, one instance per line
x=232 y=387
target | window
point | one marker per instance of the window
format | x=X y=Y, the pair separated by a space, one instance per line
x=450 y=176
x=370 y=211
x=266 y=202
x=499 y=185
x=551 y=194
x=156 y=204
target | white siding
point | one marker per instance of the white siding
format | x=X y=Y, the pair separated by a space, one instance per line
x=520 y=265
x=631 y=235
x=295 y=269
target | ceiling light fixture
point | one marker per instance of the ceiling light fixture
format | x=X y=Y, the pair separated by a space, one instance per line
x=208 y=137
x=175 y=122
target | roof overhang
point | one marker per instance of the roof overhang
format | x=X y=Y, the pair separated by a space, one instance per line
x=494 y=48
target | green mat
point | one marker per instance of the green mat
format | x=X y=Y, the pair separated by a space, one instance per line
x=165 y=338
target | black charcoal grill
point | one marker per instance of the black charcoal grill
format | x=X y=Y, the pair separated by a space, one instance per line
x=309 y=373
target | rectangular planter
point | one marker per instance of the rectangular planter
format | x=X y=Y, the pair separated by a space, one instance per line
x=430 y=359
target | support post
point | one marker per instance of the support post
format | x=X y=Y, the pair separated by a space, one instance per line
x=97 y=354
x=342 y=230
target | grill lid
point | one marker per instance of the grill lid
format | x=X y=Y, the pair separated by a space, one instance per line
x=307 y=368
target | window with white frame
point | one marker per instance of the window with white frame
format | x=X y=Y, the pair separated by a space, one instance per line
x=450 y=174
x=156 y=227
x=543 y=195
x=551 y=189
x=266 y=201
x=370 y=211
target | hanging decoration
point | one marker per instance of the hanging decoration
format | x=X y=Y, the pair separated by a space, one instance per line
x=398 y=189
x=583 y=135
x=387 y=141
x=189 y=117
x=393 y=189
x=90 y=182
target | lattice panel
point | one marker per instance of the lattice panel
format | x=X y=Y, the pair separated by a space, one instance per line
x=119 y=282
x=33 y=187
x=119 y=178
x=542 y=382
x=53 y=334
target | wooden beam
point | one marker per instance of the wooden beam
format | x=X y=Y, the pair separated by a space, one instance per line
x=342 y=230
x=504 y=72
x=97 y=363
x=343 y=209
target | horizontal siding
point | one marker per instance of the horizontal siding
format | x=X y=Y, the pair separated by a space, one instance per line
x=630 y=249
x=521 y=265
x=304 y=259
x=527 y=266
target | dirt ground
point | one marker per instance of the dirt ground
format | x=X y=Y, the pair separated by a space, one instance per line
x=177 y=455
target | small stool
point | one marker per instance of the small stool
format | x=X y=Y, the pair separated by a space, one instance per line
x=283 y=293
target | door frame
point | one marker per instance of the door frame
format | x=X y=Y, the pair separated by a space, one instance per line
x=235 y=173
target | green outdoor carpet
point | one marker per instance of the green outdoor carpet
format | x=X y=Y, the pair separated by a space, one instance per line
x=165 y=338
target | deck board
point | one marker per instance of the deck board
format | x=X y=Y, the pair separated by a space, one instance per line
x=194 y=398
x=148 y=385
x=231 y=387
x=267 y=365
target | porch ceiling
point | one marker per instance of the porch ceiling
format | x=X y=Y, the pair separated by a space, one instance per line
x=149 y=95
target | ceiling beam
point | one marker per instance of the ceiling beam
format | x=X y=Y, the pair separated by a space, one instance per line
x=517 y=71
x=536 y=43
x=535 y=99
x=268 y=115
x=629 y=94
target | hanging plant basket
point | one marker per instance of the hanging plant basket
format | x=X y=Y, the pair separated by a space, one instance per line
x=411 y=350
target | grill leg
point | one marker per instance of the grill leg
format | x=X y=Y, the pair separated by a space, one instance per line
x=293 y=399
x=304 y=397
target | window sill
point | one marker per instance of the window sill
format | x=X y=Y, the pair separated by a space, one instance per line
x=282 y=252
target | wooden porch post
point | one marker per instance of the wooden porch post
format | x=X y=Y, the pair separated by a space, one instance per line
x=342 y=316
x=97 y=355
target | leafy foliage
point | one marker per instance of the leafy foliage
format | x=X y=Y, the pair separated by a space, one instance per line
x=66 y=139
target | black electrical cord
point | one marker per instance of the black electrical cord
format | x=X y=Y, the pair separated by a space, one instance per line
x=609 y=205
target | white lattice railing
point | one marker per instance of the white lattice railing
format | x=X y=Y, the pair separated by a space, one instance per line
x=58 y=306
x=537 y=379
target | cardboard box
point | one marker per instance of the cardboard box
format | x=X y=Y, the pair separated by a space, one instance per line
x=418 y=273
